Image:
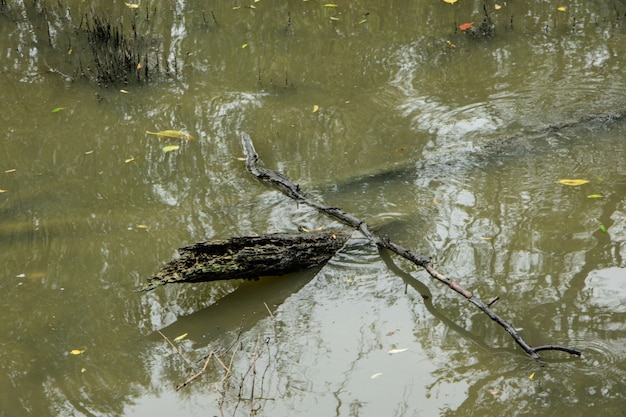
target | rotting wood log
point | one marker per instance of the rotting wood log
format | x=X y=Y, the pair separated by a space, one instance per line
x=250 y=257
x=293 y=190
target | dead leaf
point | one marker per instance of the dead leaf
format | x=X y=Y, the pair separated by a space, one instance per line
x=181 y=337
x=174 y=134
x=573 y=182
x=77 y=351
x=466 y=26
x=392 y=351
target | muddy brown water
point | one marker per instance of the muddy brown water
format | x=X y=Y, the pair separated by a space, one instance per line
x=383 y=109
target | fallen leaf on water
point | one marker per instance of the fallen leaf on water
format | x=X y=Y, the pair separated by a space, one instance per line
x=171 y=148
x=124 y=92
x=315 y=108
x=244 y=46
x=181 y=337
x=3 y=191
x=331 y=5
x=127 y=160
x=334 y=18
x=8 y=171
x=83 y=370
x=466 y=26
x=603 y=228
x=174 y=134
x=144 y=226
x=497 y=6
x=561 y=9
x=398 y=350
x=595 y=196
x=76 y=351
x=376 y=375
x=57 y=109
x=450 y=1
x=573 y=182
x=132 y=5
x=531 y=376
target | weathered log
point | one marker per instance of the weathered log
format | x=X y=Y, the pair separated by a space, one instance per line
x=249 y=257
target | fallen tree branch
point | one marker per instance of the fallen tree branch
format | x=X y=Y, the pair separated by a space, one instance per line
x=293 y=191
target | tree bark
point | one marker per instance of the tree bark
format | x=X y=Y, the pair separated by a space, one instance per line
x=249 y=257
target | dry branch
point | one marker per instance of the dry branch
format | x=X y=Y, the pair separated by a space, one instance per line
x=293 y=191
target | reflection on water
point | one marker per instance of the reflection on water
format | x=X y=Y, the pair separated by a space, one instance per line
x=437 y=138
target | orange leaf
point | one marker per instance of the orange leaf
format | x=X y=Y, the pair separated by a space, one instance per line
x=466 y=26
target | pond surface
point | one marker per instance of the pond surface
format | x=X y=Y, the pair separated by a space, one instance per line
x=449 y=142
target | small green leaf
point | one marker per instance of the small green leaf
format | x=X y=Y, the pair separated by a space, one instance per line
x=595 y=196
x=171 y=148
x=57 y=109
x=602 y=228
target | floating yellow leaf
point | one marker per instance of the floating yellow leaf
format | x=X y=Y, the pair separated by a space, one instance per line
x=376 y=375
x=315 y=108
x=497 y=6
x=450 y=1
x=531 y=376
x=3 y=191
x=8 y=171
x=124 y=91
x=127 y=160
x=181 y=337
x=174 y=134
x=331 y=5
x=561 y=9
x=595 y=196
x=334 y=18
x=132 y=5
x=244 y=46
x=76 y=351
x=398 y=350
x=171 y=148
x=362 y=21
x=143 y=226
x=573 y=182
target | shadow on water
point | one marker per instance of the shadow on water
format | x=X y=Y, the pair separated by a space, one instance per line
x=240 y=310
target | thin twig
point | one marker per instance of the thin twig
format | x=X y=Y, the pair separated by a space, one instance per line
x=293 y=191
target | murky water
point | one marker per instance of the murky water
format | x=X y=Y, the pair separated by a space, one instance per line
x=436 y=137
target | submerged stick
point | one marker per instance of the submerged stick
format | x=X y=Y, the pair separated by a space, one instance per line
x=293 y=191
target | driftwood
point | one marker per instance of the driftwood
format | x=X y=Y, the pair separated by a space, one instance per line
x=293 y=191
x=249 y=257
